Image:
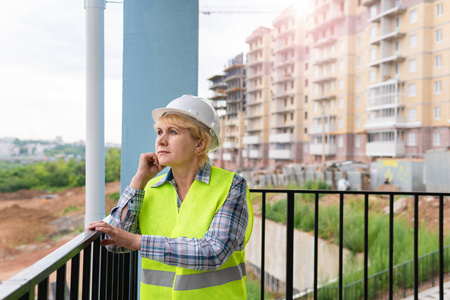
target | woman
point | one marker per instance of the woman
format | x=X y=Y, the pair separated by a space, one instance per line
x=191 y=224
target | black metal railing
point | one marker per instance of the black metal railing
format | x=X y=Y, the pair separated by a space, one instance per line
x=97 y=274
x=83 y=270
x=339 y=294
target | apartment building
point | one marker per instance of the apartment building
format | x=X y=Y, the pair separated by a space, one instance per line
x=257 y=117
x=353 y=80
x=229 y=99
x=288 y=116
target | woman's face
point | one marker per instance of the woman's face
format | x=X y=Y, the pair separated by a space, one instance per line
x=175 y=146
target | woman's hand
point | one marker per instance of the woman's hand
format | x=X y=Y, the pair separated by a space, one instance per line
x=117 y=236
x=148 y=168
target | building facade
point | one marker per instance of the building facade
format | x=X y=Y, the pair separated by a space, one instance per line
x=353 y=80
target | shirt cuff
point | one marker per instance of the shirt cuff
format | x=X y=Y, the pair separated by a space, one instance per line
x=133 y=198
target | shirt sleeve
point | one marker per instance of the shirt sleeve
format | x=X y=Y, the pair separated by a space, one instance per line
x=133 y=200
x=225 y=235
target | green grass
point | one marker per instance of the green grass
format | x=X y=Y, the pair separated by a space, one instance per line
x=254 y=289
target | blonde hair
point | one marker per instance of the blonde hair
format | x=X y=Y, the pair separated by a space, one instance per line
x=198 y=132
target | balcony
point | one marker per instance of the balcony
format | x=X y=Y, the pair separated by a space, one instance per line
x=281 y=138
x=389 y=36
x=251 y=140
x=324 y=61
x=287 y=154
x=386 y=122
x=229 y=145
x=318 y=149
x=325 y=42
x=114 y=276
x=369 y=2
x=392 y=12
x=227 y=157
x=387 y=148
x=251 y=153
x=319 y=128
x=324 y=79
x=390 y=59
x=324 y=98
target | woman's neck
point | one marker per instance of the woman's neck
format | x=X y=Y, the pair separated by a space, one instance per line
x=184 y=177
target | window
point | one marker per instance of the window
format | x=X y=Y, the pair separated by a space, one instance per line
x=316 y=107
x=316 y=72
x=316 y=90
x=437 y=112
x=373 y=54
x=397 y=69
x=373 y=11
x=437 y=87
x=306 y=82
x=332 y=105
x=340 y=142
x=413 y=16
x=373 y=33
x=332 y=49
x=439 y=10
x=341 y=84
x=306 y=131
x=358 y=102
x=332 y=68
x=372 y=76
x=397 y=46
x=341 y=103
x=412 y=41
x=332 y=86
x=412 y=65
x=357 y=122
x=412 y=90
x=438 y=36
x=341 y=65
x=436 y=138
x=358 y=41
x=398 y=22
x=341 y=45
x=306 y=115
x=412 y=114
x=411 y=139
x=358 y=61
x=357 y=142
x=438 y=61
x=358 y=82
x=306 y=99
x=340 y=122
x=305 y=148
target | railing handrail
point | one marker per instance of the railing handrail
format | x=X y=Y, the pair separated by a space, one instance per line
x=336 y=192
x=37 y=272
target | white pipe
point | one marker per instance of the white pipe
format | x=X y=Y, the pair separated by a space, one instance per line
x=95 y=136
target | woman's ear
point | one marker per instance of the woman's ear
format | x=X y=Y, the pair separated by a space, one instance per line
x=200 y=149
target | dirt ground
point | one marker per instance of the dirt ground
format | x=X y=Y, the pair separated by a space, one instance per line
x=35 y=223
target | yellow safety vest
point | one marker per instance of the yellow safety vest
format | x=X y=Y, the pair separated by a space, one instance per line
x=160 y=216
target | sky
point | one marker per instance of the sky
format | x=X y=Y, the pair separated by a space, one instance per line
x=42 y=61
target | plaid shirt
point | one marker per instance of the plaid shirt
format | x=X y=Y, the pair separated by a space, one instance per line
x=225 y=234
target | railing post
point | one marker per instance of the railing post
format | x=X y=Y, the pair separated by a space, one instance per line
x=74 y=276
x=391 y=245
x=61 y=282
x=341 y=242
x=43 y=289
x=316 y=242
x=290 y=246
x=416 y=246
x=263 y=244
x=366 y=245
x=441 y=247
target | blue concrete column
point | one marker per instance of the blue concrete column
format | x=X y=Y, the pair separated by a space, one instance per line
x=160 y=63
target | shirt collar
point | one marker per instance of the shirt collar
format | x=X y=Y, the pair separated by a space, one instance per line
x=203 y=175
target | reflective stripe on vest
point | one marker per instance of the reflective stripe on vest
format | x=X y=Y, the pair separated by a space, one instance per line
x=193 y=281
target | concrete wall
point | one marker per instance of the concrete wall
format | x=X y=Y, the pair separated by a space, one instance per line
x=275 y=262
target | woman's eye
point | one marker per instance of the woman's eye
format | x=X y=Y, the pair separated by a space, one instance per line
x=173 y=132
x=159 y=132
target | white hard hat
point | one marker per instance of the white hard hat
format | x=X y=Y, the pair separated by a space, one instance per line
x=198 y=109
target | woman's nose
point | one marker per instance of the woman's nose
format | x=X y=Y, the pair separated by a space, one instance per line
x=161 y=139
